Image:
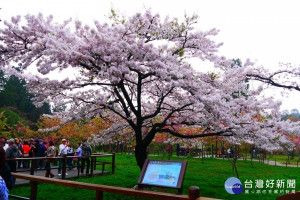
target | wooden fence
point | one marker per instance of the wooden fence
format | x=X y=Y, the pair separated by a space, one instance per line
x=93 y=164
x=194 y=192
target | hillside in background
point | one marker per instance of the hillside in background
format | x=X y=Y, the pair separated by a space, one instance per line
x=16 y=103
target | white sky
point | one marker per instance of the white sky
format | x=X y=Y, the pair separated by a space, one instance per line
x=266 y=31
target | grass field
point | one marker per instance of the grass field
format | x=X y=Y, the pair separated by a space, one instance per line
x=209 y=176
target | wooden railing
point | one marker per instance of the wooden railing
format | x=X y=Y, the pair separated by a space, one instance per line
x=194 y=192
x=93 y=163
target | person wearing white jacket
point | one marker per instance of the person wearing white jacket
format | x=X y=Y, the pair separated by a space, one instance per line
x=63 y=150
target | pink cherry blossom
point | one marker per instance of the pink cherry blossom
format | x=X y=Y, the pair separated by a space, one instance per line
x=136 y=72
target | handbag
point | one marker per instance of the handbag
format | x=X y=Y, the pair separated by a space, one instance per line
x=48 y=160
x=20 y=153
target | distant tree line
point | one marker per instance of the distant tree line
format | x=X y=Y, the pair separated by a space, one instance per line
x=15 y=96
x=293 y=115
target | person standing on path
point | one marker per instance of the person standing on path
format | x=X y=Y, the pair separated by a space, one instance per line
x=85 y=157
x=37 y=152
x=12 y=152
x=20 y=151
x=50 y=153
x=63 y=150
x=26 y=149
x=70 y=153
x=78 y=152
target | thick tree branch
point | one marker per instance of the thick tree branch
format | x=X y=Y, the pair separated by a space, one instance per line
x=160 y=102
x=127 y=97
x=122 y=102
x=174 y=133
x=269 y=80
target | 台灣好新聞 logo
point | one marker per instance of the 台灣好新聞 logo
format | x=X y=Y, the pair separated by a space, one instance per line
x=233 y=186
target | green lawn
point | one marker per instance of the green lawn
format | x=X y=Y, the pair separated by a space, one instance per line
x=209 y=176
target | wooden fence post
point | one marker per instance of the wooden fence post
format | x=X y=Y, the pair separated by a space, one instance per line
x=95 y=163
x=194 y=192
x=32 y=167
x=92 y=165
x=33 y=191
x=56 y=155
x=64 y=165
x=113 y=163
x=99 y=195
x=202 y=153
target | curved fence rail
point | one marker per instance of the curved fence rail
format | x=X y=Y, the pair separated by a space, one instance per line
x=194 y=192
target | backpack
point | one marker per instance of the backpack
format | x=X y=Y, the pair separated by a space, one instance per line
x=86 y=150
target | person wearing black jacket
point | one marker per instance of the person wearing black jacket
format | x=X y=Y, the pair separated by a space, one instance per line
x=12 y=152
x=5 y=172
x=20 y=151
x=85 y=156
x=38 y=152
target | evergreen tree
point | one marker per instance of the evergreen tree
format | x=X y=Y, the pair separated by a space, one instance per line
x=14 y=94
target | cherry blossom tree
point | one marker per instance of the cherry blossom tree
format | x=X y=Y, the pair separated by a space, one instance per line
x=138 y=69
x=288 y=77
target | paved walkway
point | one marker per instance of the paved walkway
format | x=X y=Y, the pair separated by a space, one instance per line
x=271 y=162
x=268 y=162
x=71 y=174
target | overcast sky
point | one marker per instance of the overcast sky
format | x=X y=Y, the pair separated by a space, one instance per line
x=266 y=31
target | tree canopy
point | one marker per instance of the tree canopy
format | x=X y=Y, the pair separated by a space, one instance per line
x=15 y=95
x=138 y=70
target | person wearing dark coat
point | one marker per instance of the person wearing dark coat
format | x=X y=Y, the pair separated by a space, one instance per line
x=12 y=152
x=21 y=151
x=5 y=172
x=38 y=152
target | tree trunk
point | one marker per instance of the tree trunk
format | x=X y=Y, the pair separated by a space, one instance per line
x=140 y=155
x=235 y=167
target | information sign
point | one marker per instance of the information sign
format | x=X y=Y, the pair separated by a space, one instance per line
x=163 y=173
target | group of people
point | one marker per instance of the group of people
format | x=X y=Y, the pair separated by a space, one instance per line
x=16 y=148
x=83 y=151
